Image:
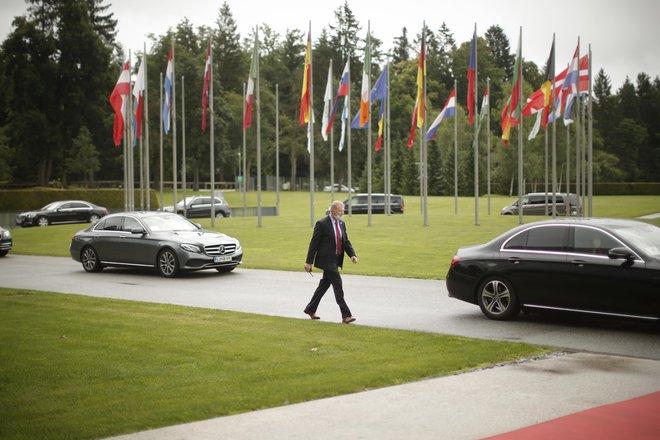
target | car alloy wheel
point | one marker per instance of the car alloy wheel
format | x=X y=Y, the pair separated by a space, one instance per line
x=42 y=221
x=93 y=218
x=168 y=266
x=497 y=299
x=90 y=260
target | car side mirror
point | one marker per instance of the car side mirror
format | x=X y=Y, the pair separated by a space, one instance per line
x=621 y=253
x=138 y=231
x=198 y=225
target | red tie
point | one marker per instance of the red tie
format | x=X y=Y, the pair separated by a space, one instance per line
x=338 y=237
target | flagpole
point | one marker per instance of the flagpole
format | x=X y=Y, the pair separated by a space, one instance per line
x=348 y=140
x=125 y=143
x=183 y=145
x=488 y=139
x=368 y=67
x=520 y=131
x=256 y=55
x=332 y=141
x=160 y=206
x=310 y=132
x=277 y=149
x=545 y=168
x=174 y=165
x=131 y=154
x=245 y=180
x=554 y=136
x=424 y=147
x=455 y=154
x=578 y=150
x=211 y=135
x=590 y=189
x=146 y=130
x=388 y=170
x=476 y=137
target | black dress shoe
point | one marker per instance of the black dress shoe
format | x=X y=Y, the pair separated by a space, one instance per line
x=312 y=315
x=348 y=320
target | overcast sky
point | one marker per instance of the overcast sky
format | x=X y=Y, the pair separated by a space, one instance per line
x=624 y=35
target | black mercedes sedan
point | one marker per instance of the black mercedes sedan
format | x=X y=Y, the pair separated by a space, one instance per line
x=167 y=242
x=63 y=211
x=606 y=267
x=5 y=241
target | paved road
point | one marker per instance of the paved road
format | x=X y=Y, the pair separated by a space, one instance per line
x=377 y=301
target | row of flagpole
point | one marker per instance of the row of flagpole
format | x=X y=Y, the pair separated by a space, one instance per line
x=549 y=94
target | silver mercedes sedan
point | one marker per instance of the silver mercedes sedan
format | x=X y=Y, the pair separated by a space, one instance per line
x=167 y=242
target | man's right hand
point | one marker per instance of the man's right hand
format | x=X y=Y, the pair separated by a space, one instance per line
x=308 y=267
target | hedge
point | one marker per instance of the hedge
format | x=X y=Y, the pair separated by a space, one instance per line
x=30 y=199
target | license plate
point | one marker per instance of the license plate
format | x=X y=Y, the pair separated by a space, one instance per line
x=221 y=258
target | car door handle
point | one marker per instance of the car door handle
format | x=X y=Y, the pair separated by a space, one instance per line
x=578 y=263
x=514 y=260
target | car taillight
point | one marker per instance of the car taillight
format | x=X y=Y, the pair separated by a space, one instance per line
x=454 y=261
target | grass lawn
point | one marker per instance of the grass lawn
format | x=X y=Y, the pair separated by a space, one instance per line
x=396 y=245
x=81 y=367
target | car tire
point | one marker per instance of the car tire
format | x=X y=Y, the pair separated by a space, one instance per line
x=219 y=214
x=93 y=218
x=43 y=221
x=3 y=253
x=167 y=264
x=90 y=260
x=497 y=299
x=225 y=269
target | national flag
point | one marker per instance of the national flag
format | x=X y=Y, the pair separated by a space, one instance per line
x=342 y=90
x=138 y=94
x=472 y=65
x=249 y=91
x=327 y=103
x=560 y=96
x=117 y=101
x=546 y=87
x=420 y=106
x=305 y=101
x=344 y=120
x=485 y=104
x=167 y=101
x=207 y=82
x=379 y=93
x=448 y=111
x=570 y=87
x=511 y=114
x=364 y=95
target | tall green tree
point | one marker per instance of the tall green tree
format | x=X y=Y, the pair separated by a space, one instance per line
x=83 y=157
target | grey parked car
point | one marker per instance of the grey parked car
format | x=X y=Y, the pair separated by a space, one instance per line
x=200 y=207
x=535 y=204
x=167 y=242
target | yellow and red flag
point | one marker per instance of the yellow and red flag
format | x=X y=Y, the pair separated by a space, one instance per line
x=305 y=107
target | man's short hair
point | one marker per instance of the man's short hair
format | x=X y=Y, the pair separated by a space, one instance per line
x=334 y=206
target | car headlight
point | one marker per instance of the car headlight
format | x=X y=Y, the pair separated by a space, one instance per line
x=194 y=248
x=6 y=234
x=238 y=247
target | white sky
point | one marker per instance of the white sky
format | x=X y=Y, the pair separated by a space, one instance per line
x=624 y=35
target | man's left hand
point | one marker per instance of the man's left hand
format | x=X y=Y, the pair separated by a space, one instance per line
x=354 y=259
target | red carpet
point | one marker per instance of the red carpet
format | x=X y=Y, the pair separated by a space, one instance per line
x=637 y=419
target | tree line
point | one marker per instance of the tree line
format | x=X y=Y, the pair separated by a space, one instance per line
x=61 y=60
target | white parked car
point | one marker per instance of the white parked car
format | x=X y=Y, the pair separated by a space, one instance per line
x=339 y=188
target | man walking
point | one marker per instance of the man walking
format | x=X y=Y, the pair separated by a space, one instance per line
x=326 y=251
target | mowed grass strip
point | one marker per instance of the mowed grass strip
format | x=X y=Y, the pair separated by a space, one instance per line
x=395 y=245
x=81 y=367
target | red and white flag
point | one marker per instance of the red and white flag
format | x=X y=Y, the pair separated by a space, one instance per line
x=118 y=100
x=138 y=94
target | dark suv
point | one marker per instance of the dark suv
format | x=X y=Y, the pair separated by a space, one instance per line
x=358 y=204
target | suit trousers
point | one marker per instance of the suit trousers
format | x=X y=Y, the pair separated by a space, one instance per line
x=330 y=278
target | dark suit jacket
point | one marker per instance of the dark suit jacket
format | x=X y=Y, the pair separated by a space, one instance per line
x=322 y=247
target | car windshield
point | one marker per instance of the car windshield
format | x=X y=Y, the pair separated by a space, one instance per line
x=186 y=200
x=168 y=223
x=644 y=237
